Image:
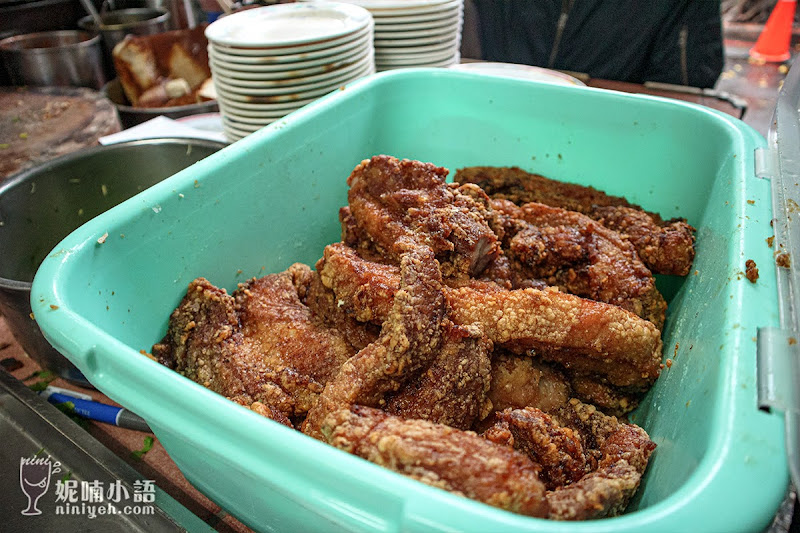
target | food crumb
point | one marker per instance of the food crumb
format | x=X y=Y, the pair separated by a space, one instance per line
x=104 y=189
x=751 y=202
x=148 y=355
x=792 y=341
x=53 y=307
x=751 y=271
x=23 y=135
x=688 y=402
x=771 y=241
x=783 y=260
x=102 y=239
x=669 y=363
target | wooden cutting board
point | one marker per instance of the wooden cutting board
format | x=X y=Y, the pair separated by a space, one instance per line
x=40 y=123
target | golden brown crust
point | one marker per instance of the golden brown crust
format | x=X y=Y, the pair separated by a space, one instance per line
x=397 y=202
x=666 y=247
x=579 y=255
x=591 y=463
x=409 y=342
x=453 y=390
x=591 y=338
x=440 y=456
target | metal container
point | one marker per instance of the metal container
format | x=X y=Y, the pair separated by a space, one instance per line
x=131 y=116
x=118 y=24
x=66 y=58
x=41 y=205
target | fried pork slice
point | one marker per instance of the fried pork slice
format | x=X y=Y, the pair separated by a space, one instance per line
x=591 y=463
x=590 y=338
x=271 y=313
x=666 y=247
x=615 y=401
x=557 y=449
x=581 y=256
x=409 y=342
x=621 y=452
x=323 y=304
x=392 y=200
x=440 y=456
x=453 y=390
x=204 y=343
x=520 y=381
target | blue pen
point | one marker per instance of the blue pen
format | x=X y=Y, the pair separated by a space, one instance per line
x=85 y=407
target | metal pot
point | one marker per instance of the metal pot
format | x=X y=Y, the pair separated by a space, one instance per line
x=118 y=24
x=42 y=205
x=64 y=58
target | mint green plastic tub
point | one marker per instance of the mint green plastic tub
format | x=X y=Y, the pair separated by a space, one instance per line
x=272 y=199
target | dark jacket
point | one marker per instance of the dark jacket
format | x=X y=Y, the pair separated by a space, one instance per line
x=670 y=41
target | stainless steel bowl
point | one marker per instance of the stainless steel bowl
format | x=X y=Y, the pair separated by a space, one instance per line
x=65 y=58
x=42 y=205
x=130 y=116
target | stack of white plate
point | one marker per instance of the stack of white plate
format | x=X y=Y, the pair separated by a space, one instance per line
x=415 y=33
x=269 y=61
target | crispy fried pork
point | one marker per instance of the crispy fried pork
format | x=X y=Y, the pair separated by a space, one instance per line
x=590 y=338
x=444 y=312
x=441 y=456
x=409 y=342
x=260 y=344
x=666 y=247
x=453 y=390
x=591 y=463
x=393 y=200
x=579 y=255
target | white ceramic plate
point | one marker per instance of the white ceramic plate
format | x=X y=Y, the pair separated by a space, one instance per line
x=422 y=42
x=288 y=25
x=295 y=52
x=248 y=108
x=226 y=93
x=256 y=116
x=290 y=61
x=389 y=8
x=425 y=56
x=525 y=72
x=261 y=88
x=450 y=27
x=395 y=4
x=436 y=64
x=294 y=84
x=258 y=73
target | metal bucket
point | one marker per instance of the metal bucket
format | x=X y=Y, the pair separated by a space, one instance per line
x=42 y=205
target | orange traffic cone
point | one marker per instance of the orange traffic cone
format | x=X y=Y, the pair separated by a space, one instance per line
x=773 y=43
